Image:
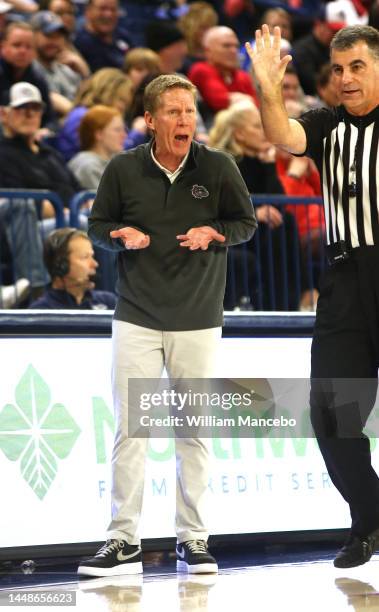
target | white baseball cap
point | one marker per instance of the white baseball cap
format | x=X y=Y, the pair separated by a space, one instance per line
x=24 y=93
x=4 y=7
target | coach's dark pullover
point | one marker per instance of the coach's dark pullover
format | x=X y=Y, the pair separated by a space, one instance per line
x=165 y=286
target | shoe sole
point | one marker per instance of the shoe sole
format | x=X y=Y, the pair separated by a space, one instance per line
x=118 y=570
x=126 y=581
x=200 y=568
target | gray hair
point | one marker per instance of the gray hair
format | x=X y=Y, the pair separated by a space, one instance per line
x=347 y=37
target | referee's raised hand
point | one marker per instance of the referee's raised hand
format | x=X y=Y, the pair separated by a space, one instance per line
x=268 y=66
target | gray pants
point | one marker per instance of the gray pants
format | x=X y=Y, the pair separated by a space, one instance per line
x=139 y=352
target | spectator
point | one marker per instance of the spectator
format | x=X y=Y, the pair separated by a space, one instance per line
x=25 y=163
x=100 y=40
x=102 y=135
x=108 y=86
x=194 y=24
x=165 y=38
x=291 y=85
x=272 y=17
x=70 y=262
x=279 y=17
x=16 y=64
x=219 y=79
x=139 y=63
x=70 y=56
x=300 y=177
x=238 y=131
x=311 y=52
x=65 y=9
x=292 y=90
x=50 y=35
x=326 y=88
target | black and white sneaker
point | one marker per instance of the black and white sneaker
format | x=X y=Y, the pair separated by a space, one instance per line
x=115 y=558
x=193 y=557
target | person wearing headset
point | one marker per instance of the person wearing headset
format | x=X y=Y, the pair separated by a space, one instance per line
x=69 y=259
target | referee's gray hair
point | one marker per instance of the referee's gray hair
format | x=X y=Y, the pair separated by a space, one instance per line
x=349 y=36
x=162 y=83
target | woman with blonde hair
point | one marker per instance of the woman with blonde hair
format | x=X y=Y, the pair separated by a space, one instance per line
x=108 y=86
x=238 y=130
x=102 y=135
x=141 y=62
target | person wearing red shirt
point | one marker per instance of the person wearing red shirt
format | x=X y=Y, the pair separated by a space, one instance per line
x=219 y=79
x=299 y=177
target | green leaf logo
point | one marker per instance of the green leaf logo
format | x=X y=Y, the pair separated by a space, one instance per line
x=36 y=433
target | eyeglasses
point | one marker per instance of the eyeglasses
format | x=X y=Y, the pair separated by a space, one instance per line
x=33 y=107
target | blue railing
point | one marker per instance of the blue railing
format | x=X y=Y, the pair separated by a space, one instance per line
x=271 y=272
x=38 y=195
x=76 y=204
x=277 y=270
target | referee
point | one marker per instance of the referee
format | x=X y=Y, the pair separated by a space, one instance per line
x=345 y=349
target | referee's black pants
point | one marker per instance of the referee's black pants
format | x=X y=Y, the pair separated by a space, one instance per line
x=345 y=350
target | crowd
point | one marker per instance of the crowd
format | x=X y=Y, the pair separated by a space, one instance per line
x=72 y=78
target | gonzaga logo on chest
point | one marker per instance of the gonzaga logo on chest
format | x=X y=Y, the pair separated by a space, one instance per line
x=199 y=192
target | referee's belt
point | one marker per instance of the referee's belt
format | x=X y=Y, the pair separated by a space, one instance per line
x=337 y=252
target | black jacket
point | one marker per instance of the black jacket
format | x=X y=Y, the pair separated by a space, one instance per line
x=59 y=298
x=309 y=55
x=20 y=168
x=165 y=286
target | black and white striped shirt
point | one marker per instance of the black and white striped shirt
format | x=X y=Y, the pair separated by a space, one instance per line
x=345 y=149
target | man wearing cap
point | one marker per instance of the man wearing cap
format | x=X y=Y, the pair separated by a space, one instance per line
x=25 y=163
x=50 y=34
x=16 y=64
x=101 y=41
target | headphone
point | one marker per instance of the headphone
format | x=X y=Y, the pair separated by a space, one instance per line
x=55 y=252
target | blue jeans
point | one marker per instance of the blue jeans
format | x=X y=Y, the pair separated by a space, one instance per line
x=19 y=227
